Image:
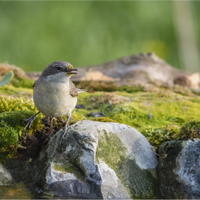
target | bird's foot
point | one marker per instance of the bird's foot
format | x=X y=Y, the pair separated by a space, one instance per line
x=29 y=121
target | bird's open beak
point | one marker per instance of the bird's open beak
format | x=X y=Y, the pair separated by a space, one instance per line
x=70 y=70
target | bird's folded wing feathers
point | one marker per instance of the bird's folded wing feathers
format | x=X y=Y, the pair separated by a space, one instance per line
x=73 y=92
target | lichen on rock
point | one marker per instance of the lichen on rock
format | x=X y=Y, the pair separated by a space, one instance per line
x=91 y=154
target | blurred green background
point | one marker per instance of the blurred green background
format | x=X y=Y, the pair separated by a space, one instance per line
x=34 y=34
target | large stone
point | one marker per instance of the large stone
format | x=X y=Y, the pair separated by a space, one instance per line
x=98 y=160
x=140 y=69
x=179 y=169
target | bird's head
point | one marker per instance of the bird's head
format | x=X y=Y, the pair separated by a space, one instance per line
x=58 y=70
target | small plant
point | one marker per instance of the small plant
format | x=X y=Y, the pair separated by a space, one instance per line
x=190 y=130
x=157 y=136
x=6 y=78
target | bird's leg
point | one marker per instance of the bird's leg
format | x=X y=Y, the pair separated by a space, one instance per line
x=30 y=120
x=66 y=127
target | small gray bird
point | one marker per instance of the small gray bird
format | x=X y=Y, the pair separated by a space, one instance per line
x=54 y=94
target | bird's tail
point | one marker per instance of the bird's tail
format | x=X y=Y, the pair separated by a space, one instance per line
x=80 y=90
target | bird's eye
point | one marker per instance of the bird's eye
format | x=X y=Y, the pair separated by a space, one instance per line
x=58 y=68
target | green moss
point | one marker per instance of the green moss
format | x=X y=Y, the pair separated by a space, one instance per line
x=190 y=130
x=93 y=86
x=140 y=183
x=70 y=168
x=183 y=90
x=103 y=119
x=13 y=111
x=11 y=126
x=79 y=115
x=129 y=113
x=168 y=110
x=9 y=103
x=8 y=141
x=110 y=150
x=8 y=135
x=17 y=191
x=15 y=119
x=160 y=135
x=6 y=153
x=22 y=82
x=11 y=90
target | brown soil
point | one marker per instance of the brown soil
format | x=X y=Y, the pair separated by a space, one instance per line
x=31 y=145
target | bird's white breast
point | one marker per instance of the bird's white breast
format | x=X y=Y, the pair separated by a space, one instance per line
x=53 y=98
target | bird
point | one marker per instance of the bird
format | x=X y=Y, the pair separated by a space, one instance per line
x=54 y=94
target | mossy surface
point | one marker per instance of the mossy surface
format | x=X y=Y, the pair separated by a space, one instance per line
x=13 y=111
x=158 y=116
x=157 y=136
x=103 y=119
x=94 y=86
x=70 y=168
x=9 y=103
x=8 y=136
x=161 y=116
x=190 y=130
x=110 y=150
x=139 y=183
x=17 y=191
x=11 y=126
x=17 y=92
x=22 y=82
x=15 y=119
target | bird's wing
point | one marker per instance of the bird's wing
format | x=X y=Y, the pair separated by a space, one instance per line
x=73 y=92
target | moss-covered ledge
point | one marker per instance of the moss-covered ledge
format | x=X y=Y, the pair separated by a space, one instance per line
x=158 y=114
x=13 y=111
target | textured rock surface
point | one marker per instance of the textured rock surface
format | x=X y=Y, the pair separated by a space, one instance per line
x=179 y=172
x=142 y=68
x=98 y=160
x=5 y=176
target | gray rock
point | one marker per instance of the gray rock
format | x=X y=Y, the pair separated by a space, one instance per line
x=5 y=176
x=179 y=172
x=23 y=172
x=98 y=160
x=145 y=68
